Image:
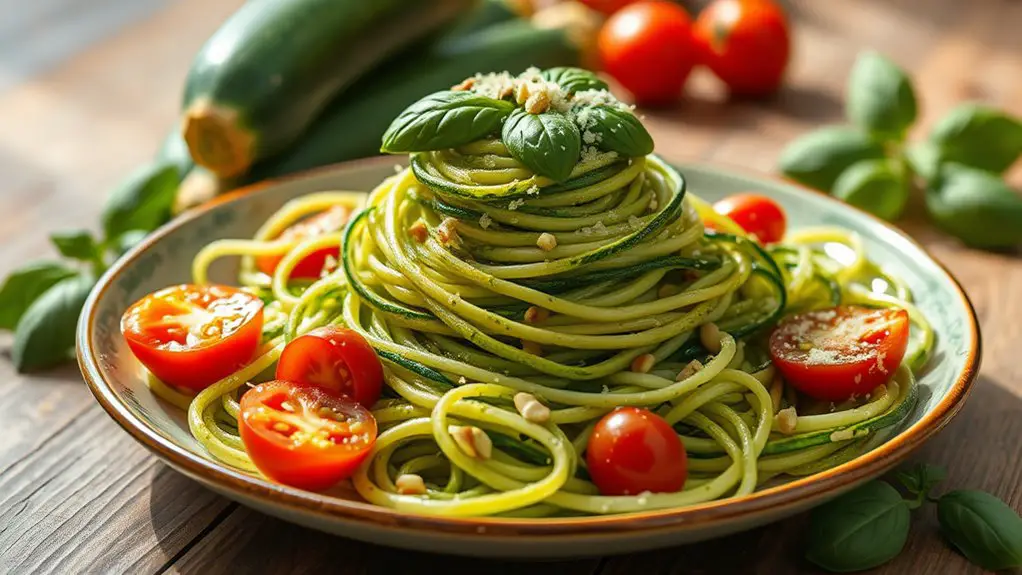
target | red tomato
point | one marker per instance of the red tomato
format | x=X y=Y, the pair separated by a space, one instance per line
x=648 y=48
x=758 y=215
x=837 y=353
x=746 y=44
x=337 y=359
x=304 y=436
x=192 y=336
x=311 y=266
x=607 y=7
x=633 y=450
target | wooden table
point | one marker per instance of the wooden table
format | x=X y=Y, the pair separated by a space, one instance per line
x=86 y=94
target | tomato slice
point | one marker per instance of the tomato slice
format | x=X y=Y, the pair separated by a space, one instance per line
x=840 y=353
x=758 y=215
x=303 y=435
x=336 y=358
x=312 y=265
x=192 y=336
x=633 y=450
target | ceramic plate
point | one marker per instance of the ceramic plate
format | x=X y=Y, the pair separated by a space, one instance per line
x=118 y=382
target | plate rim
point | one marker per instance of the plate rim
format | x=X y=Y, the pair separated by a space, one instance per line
x=328 y=508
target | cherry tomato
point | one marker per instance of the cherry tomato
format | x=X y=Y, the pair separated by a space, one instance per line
x=337 y=359
x=758 y=215
x=837 y=353
x=192 y=336
x=746 y=44
x=312 y=265
x=303 y=435
x=648 y=48
x=633 y=450
x=607 y=7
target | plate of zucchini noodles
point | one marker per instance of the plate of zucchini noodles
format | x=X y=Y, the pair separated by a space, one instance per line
x=525 y=333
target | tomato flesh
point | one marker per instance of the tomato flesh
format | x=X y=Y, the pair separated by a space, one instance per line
x=759 y=216
x=303 y=435
x=746 y=43
x=632 y=451
x=840 y=353
x=312 y=265
x=336 y=358
x=648 y=48
x=192 y=336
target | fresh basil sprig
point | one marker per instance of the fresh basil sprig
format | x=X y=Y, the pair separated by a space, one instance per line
x=618 y=130
x=549 y=144
x=573 y=80
x=881 y=99
x=46 y=332
x=976 y=206
x=877 y=186
x=978 y=136
x=445 y=119
x=142 y=201
x=982 y=527
x=818 y=158
x=25 y=284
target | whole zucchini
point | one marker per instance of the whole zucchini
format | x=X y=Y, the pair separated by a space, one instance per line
x=263 y=77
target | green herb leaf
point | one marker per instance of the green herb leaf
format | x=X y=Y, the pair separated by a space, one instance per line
x=976 y=206
x=142 y=201
x=818 y=158
x=25 y=285
x=861 y=529
x=615 y=130
x=880 y=97
x=549 y=144
x=76 y=244
x=445 y=120
x=45 y=335
x=922 y=478
x=982 y=527
x=574 y=79
x=128 y=240
x=924 y=158
x=876 y=186
x=979 y=137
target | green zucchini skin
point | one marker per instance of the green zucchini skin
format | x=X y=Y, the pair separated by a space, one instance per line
x=266 y=74
x=353 y=126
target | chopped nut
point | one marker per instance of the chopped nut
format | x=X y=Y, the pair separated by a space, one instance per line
x=532 y=347
x=786 y=420
x=418 y=231
x=709 y=336
x=536 y=315
x=448 y=231
x=537 y=103
x=842 y=435
x=410 y=484
x=531 y=408
x=465 y=84
x=689 y=370
x=643 y=363
x=667 y=290
x=546 y=241
x=472 y=440
x=521 y=91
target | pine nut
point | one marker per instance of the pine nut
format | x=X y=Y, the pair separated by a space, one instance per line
x=643 y=363
x=410 y=484
x=472 y=440
x=531 y=409
x=546 y=241
x=418 y=231
x=693 y=367
x=709 y=336
x=536 y=315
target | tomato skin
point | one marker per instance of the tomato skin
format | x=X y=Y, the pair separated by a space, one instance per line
x=648 y=48
x=336 y=358
x=311 y=266
x=317 y=461
x=633 y=450
x=758 y=215
x=746 y=43
x=857 y=349
x=607 y=7
x=168 y=332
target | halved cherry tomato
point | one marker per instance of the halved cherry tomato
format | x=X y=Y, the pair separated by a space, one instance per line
x=648 y=48
x=633 y=450
x=837 y=353
x=607 y=7
x=312 y=265
x=336 y=358
x=758 y=215
x=192 y=336
x=303 y=435
x=746 y=44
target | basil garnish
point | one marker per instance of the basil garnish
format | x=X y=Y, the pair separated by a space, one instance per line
x=549 y=144
x=982 y=527
x=445 y=120
x=573 y=80
x=617 y=130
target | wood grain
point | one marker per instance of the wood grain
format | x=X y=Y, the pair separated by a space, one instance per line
x=78 y=495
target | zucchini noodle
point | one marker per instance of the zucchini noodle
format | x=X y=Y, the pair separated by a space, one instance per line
x=558 y=289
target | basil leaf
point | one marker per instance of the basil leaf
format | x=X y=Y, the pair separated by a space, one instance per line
x=615 y=130
x=975 y=206
x=444 y=120
x=45 y=335
x=880 y=97
x=142 y=201
x=75 y=244
x=573 y=80
x=876 y=186
x=978 y=136
x=818 y=158
x=982 y=527
x=920 y=479
x=128 y=240
x=549 y=144
x=861 y=529
x=25 y=284
x=924 y=157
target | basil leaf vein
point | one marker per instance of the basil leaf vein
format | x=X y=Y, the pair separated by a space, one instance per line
x=549 y=144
